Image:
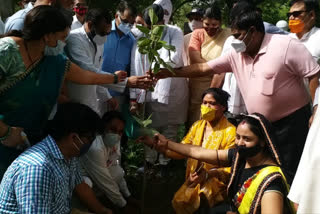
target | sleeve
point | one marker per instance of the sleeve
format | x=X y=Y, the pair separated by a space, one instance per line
x=94 y=164
x=196 y=41
x=278 y=186
x=303 y=64
x=220 y=64
x=16 y=24
x=231 y=154
x=34 y=190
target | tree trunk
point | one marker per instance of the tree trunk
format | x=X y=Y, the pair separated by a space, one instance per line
x=6 y=8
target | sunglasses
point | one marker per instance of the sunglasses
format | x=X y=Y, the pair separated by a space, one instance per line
x=295 y=13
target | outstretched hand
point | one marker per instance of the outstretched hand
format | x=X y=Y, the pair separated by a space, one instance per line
x=161 y=143
x=122 y=75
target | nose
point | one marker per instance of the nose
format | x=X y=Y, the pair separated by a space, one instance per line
x=241 y=142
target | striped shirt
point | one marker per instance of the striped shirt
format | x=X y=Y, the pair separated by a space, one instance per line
x=40 y=180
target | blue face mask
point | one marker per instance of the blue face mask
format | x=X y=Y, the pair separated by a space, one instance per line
x=124 y=27
x=54 y=51
x=84 y=148
x=111 y=139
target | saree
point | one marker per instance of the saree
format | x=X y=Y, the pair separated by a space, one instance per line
x=27 y=96
x=211 y=48
x=187 y=199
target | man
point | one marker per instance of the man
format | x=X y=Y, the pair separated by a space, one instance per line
x=43 y=178
x=270 y=76
x=85 y=48
x=80 y=9
x=195 y=21
x=302 y=20
x=16 y=21
x=169 y=101
x=117 y=48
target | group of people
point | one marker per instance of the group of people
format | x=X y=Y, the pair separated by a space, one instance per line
x=70 y=83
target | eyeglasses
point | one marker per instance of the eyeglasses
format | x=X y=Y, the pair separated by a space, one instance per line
x=295 y=13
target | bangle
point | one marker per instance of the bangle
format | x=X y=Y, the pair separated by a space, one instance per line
x=115 y=81
x=8 y=133
x=218 y=158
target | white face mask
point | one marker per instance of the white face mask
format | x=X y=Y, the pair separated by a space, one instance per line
x=194 y=25
x=136 y=32
x=111 y=139
x=54 y=51
x=100 y=40
x=124 y=27
x=239 y=45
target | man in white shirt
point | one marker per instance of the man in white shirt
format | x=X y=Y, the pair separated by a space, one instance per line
x=80 y=9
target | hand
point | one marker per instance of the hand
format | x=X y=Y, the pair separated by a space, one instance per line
x=146 y=140
x=122 y=75
x=142 y=82
x=14 y=139
x=313 y=114
x=162 y=74
x=161 y=143
x=197 y=178
x=113 y=103
x=134 y=107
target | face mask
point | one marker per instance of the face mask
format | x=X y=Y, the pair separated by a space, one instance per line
x=166 y=19
x=239 y=45
x=136 y=32
x=54 y=51
x=111 y=139
x=296 y=26
x=245 y=152
x=99 y=40
x=84 y=149
x=81 y=10
x=208 y=113
x=124 y=27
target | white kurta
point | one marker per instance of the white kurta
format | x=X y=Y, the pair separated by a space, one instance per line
x=81 y=50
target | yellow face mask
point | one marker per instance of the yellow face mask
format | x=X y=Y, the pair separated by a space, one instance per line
x=296 y=26
x=208 y=113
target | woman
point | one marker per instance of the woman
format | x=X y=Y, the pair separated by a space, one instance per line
x=32 y=70
x=205 y=44
x=257 y=184
x=213 y=131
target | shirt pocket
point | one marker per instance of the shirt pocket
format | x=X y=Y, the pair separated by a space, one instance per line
x=267 y=83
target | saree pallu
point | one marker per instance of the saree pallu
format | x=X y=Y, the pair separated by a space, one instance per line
x=187 y=199
x=28 y=101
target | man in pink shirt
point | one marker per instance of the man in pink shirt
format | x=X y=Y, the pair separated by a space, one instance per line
x=269 y=70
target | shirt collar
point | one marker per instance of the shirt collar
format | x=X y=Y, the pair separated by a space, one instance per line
x=53 y=148
x=264 y=45
x=113 y=27
x=308 y=34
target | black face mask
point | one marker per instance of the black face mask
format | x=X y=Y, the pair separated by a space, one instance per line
x=245 y=152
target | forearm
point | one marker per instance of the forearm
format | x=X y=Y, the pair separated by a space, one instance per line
x=217 y=80
x=195 y=70
x=173 y=155
x=87 y=196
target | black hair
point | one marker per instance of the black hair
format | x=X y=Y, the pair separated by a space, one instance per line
x=111 y=115
x=158 y=10
x=254 y=126
x=213 y=12
x=124 y=5
x=244 y=15
x=42 y=20
x=309 y=4
x=96 y=15
x=74 y=118
x=219 y=95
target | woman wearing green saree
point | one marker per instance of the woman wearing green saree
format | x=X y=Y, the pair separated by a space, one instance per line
x=32 y=71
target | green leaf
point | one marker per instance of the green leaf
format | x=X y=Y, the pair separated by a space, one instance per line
x=156 y=68
x=153 y=16
x=157 y=31
x=169 y=47
x=143 y=29
x=138 y=120
x=143 y=42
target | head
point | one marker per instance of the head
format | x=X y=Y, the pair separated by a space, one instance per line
x=74 y=127
x=254 y=136
x=159 y=12
x=47 y=24
x=212 y=20
x=195 y=18
x=113 y=124
x=139 y=19
x=98 y=22
x=125 y=16
x=214 y=104
x=246 y=27
x=80 y=8
x=302 y=15
x=167 y=9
